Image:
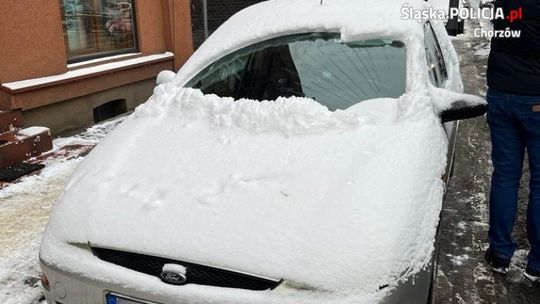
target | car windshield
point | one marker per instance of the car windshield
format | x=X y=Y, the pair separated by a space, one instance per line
x=315 y=65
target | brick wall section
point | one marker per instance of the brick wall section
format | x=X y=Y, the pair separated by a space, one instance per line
x=32 y=36
x=31 y=40
x=178 y=33
x=150 y=28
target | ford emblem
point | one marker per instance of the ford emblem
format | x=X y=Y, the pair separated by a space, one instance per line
x=173 y=276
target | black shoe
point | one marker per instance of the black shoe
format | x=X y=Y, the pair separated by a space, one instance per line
x=532 y=275
x=498 y=265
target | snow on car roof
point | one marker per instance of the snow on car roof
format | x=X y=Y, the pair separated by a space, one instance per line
x=351 y=18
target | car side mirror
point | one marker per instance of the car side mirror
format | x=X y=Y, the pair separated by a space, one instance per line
x=165 y=76
x=453 y=106
x=462 y=110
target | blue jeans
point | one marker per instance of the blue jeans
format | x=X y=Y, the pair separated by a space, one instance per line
x=514 y=121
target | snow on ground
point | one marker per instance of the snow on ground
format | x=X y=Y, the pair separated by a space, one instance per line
x=458 y=260
x=24 y=210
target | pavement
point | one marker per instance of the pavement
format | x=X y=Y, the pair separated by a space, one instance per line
x=463 y=275
x=24 y=211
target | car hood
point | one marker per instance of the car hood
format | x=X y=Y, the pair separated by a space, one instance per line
x=285 y=189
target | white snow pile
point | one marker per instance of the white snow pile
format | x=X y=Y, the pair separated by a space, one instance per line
x=343 y=202
x=290 y=116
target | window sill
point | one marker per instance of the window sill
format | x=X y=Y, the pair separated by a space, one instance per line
x=102 y=60
x=85 y=72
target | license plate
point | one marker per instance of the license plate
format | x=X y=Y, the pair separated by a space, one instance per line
x=112 y=298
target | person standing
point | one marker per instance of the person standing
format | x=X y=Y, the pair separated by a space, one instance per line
x=514 y=119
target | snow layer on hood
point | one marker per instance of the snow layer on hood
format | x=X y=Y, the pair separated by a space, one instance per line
x=354 y=19
x=343 y=201
x=289 y=116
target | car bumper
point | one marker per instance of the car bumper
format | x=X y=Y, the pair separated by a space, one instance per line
x=71 y=288
x=76 y=276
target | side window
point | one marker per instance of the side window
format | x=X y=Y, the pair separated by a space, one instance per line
x=435 y=59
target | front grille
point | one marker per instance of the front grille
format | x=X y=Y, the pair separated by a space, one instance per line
x=196 y=274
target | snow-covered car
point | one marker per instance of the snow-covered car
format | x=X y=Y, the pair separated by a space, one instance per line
x=299 y=156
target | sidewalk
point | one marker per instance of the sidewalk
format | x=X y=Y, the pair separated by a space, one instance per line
x=24 y=211
x=464 y=277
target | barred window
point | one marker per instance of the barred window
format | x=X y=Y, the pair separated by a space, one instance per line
x=97 y=28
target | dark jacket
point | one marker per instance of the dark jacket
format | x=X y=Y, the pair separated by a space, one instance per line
x=514 y=63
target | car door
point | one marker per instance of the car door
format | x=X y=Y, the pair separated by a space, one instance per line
x=438 y=76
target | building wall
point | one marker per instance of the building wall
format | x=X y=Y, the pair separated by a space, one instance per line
x=178 y=29
x=76 y=113
x=32 y=98
x=150 y=26
x=32 y=36
x=31 y=40
x=32 y=46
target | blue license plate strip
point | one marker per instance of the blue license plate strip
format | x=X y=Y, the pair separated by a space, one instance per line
x=112 y=298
